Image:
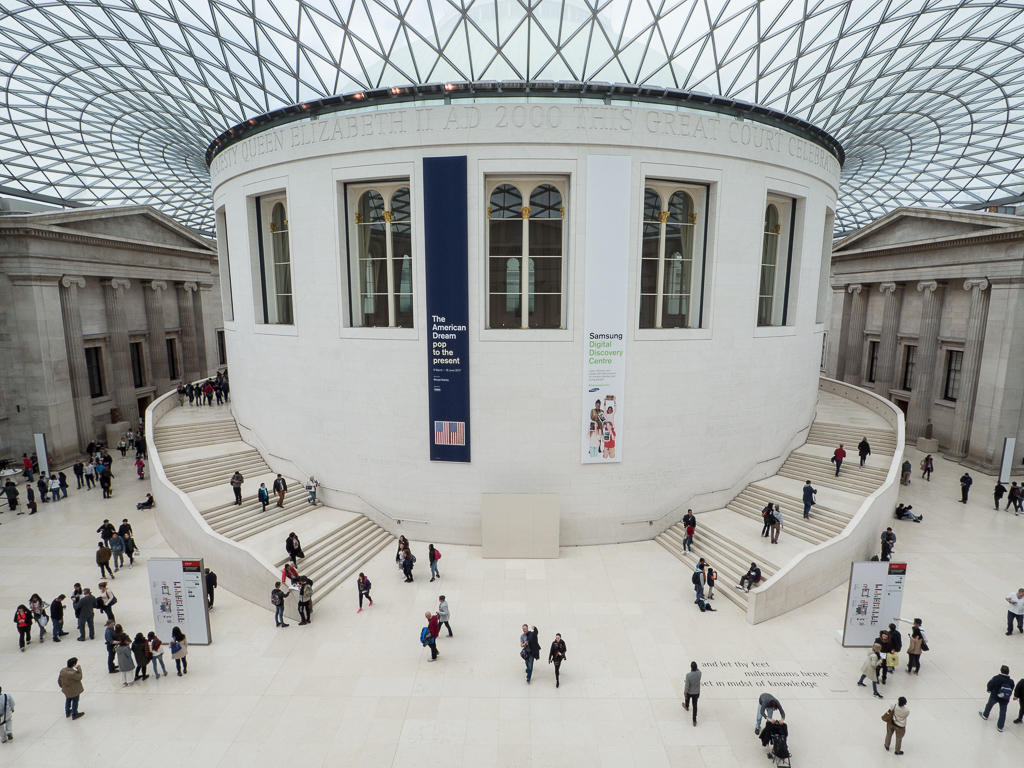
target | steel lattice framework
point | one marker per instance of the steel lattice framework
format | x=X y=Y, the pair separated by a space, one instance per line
x=111 y=101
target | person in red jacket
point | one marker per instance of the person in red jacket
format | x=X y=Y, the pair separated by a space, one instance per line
x=837 y=458
x=23 y=618
x=435 y=629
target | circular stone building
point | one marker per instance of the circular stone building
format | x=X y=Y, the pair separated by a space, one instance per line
x=612 y=294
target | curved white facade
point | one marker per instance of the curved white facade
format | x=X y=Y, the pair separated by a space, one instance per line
x=701 y=406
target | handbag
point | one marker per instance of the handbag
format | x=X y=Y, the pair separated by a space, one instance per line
x=175 y=647
x=524 y=654
x=42 y=620
x=892 y=659
x=887 y=717
x=924 y=646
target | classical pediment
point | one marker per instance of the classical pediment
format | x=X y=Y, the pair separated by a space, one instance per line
x=131 y=223
x=909 y=225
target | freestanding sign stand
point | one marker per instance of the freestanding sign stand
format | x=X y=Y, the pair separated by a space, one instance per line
x=178 y=590
x=873 y=602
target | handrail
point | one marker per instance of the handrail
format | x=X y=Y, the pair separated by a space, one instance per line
x=398 y=520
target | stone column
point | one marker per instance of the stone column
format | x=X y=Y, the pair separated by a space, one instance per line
x=186 y=314
x=855 y=338
x=123 y=388
x=924 y=364
x=200 y=299
x=71 y=314
x=153 y=293
x=885 y=370
x=964 y=412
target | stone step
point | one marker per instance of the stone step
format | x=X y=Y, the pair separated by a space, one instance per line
x=733 y=595
x=249 y=508
x=243 y=525
x=327 y=541
x=794 y=527
x=852 y=479
x=219 y=474
x=346 y=568
x=201 y=463
x=754 y=498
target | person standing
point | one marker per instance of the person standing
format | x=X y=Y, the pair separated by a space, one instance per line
x=179 y=650
x=124 y=660
x=927 y=467
x=280 y=488
x=311 y=487
x=111 y=638
x=236 y=486
x=433 y=556
x=85 y=609
x=79 y=470
x=689 y=520
x=156 y=654
x=837 y=458
x=691 y=690
x=965 y=486
x=809 y=500
x=89 y=474
x=277 y=598
x=408 y=561
x=433 y=630
x=1000 y=689
x=896 y=723
x=305 y=601
x=1018 y=695
x=998 y=493
x=105 y=481
x=27 y=470
x=62 y=480
x=767 y=706
x=870 y=667
x=556 y=656
x=140 y=468
x=710 y=577
x=263 y=495
x=211 y=585
x=57 y=617
x=766 y=516
x=6 y=716
x=141 y=652
x=443 y=615
x=54 y=486
x=906 y=470
x=698 y=581
x=888 y=543
x=1016 y=611
x=70 y=683
x=915 y=645
x=363 y=587
x=776 y=524
x=864 y=449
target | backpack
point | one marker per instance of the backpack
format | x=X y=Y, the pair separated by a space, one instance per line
x=424 y=635
x=695 y=578
x=437 y=554
x=275 y=598
x=1005 y=692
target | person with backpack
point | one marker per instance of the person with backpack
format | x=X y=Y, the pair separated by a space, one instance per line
x=363 y=587
x=428 y=636
x=896 y=722
x=263 y=496
x=277 y=598
x=776 y=524
x=305 y=601
x=433 y=555
x=698 y=582
x=710 y=577
x=766 y=517
x=1000 y=689
x=808 y=498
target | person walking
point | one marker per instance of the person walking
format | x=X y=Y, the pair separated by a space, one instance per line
x=140 y=650
x=293 y=547
x=363 y=586
x=766 y=516
x=767 y=706
x=79 y=470
x=263 y=496
x=280 y=488
x=179 y=650
x=37 y=607
x=105 y=481
x=927 y=466
x=70 y=683
x=23 y=620
x=62 y=481
x=1018 y=695
x=57 y=617
x=529 y=644
x=691 y=691
x=305 y=601
x=211 y=585
x=965 y=486
x=864 y=450
x=1000 y=689
x=1013 y=499
x=236 y=486
x=105 y=600
x=556 y=655
x=6 y=717
x=870 y=667
x=277 y=598
x=103 y=555
x=688 y=538
x=776 y=524
x=116 y=545
x=311 y=487
x=1016 y=611
x=433 y=630
x=125 y=664
x=443 y=615
x=408 y=561
x=837 y=458
x=85 y=610
x=896 y=722
x=140 y=468
x=433 y=556
x=915 y=645
x=156 y=654
x=809 y=498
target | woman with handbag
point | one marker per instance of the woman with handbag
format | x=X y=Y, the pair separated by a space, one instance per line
x=140 y=650
x=896 y=722
x=38 y=606
x=870 y=667
x=914 y=650
x=179 y=650
x=156 y=654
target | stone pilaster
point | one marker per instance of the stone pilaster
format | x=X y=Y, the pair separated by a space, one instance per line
x=71 y=314
x=923 y=393
x=153 y=293
x=200 y=299
x=855 y=339
x=186 y=314
x=885 y=370
x=964 y=412
x=123 y=388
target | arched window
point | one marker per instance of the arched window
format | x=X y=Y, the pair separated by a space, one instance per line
x=534 y=233
x=769 y=267
x=383 y=234
x=666 y=259
x=282 y=269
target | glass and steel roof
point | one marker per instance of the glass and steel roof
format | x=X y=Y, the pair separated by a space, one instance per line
x=114 y=101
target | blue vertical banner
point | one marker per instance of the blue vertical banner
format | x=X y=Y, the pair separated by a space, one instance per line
x=446 y=254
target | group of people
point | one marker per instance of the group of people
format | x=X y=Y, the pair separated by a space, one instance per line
x=1014 y=497
x=406 y=560
x=601 y=439
x=703 y=580
x=529 y=651
x=205 y=392
x=292 y=581
x=430 y=633
x=114 y=546
x=771 y=515
x=125 y=655
x=280 y=489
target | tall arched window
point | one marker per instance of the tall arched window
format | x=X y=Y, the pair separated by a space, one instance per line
x=533 y=234
x=383 y=242
x=769 y=267
x=276 y=265
x=669 y=233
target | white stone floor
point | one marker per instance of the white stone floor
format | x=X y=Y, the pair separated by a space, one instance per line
x=356 y=690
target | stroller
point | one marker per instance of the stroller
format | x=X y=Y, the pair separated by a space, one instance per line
x=777 y=743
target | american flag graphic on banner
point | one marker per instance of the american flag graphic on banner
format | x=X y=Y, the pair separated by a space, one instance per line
x=449 y=433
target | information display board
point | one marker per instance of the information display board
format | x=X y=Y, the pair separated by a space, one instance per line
x=178 y=590
x=605 y=317
x=874 y=600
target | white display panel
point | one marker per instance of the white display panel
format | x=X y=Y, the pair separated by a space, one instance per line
x=178 y=591
x=874 y=600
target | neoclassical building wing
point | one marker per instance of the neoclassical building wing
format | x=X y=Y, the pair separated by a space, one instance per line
x=115 y=101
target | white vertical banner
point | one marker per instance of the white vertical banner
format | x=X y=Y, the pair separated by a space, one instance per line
x=178 y=590
x=606 y=297
x=874 y=600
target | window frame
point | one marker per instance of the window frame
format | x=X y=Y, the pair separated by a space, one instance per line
x=953 y=375
x=781 y=315
x=267 y=295
x=527 y=184
x=224 y=265
x=700 y=195
x=96 y=389
x=872 y=367
x=909 y=363
x=387 y=187
x=222 y=347
x=171 y=347
x=138 y=364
